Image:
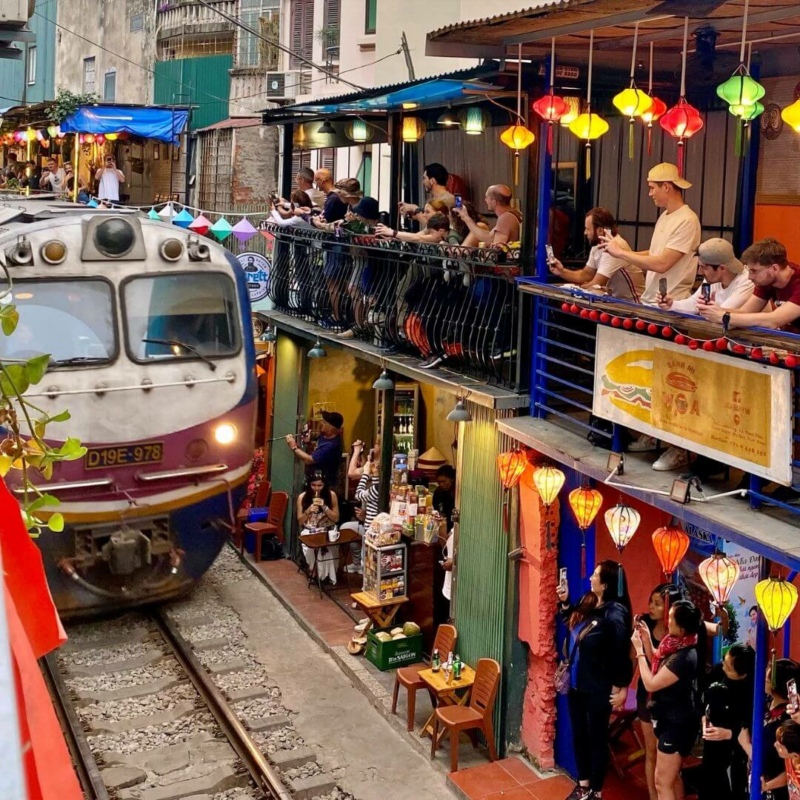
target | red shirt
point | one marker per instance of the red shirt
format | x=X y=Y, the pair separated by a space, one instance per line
x=792 y=780
x=788 y=294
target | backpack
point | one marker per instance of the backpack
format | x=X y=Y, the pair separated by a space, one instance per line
x=271 y=548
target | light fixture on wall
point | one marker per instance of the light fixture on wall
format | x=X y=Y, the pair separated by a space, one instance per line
x=383 y=383
x=327 y=128
x=359 y=131
x=474 y=120
x=460 y=412
x=317 y=351
x=413 y=129
x=448 y=119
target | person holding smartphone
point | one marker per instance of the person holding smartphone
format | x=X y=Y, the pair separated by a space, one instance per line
x=599 y=627
x=367 y=495
x=725 y=278
x=109 y=178
x=603 y=270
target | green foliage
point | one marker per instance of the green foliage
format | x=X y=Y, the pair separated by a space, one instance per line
x=29 y=451
x=67 y=103
x=732 y=635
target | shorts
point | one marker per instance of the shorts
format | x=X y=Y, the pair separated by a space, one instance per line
x=675 y=737
x=643 y=710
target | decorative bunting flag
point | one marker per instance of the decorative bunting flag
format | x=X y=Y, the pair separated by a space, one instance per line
x=243 y=230
x=184 y=219
x=221 y=229
x=153 y=214
x=167 y=213
x=200 y=225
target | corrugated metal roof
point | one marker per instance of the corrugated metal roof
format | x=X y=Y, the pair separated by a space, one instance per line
x=232 y=122
x=499 y=18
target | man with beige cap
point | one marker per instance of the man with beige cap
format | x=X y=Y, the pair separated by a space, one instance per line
x=728 y=279
x=675 y=238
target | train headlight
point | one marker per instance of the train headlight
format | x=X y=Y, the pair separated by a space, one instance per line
x=225 y=433
x=171 y=249
x=114 y=237
x=54 y=252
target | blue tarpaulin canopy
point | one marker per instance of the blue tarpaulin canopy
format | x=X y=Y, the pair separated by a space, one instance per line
x=164 y=124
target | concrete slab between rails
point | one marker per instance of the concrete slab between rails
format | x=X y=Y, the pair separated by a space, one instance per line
x=375 y=685
x=768 y=532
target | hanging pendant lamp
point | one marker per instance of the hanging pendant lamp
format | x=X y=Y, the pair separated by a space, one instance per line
x=776 y=598
x=551 y=107
x=589 y=126
x=670 y=544
x=585 y=504
x=683 y=120
x=632 y=102
x=517 y=137
x=622 y=522
x=548 y=482
x=719 y=573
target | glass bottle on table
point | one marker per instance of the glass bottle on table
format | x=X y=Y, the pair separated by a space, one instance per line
x=436 y=661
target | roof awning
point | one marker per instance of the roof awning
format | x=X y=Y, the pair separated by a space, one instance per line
x=454 y=88
x=163 y=124
x=613 y=21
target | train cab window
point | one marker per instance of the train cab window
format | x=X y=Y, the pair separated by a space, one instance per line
x=181 y=316
x=72 y=321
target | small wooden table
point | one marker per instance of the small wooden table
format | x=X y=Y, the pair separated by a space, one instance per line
x=446 y=694
x=381 y=613
x=318 y=542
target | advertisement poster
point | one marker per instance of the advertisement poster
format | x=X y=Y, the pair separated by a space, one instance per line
x=256 y=268
x=731 y=410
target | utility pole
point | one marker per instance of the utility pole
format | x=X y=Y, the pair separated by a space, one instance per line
x=407 y=55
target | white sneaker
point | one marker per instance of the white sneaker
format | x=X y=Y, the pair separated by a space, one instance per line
x=642 y=444
x=354 y=568
x=674 y=458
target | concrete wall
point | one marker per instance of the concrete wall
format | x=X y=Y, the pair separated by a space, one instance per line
x=255 y=164
x=108 y=23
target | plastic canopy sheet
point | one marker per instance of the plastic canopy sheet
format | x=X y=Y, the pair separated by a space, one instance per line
x=164 y=124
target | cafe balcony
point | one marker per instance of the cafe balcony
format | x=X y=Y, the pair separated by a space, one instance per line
x=413 y=302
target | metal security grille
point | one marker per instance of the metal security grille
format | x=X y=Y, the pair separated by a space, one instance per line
x=216 y=169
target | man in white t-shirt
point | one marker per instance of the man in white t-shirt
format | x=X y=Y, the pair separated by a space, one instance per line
x=727 y=278
x=108 y=180
x=620 y=278
x=55 y=179
x=675 y=239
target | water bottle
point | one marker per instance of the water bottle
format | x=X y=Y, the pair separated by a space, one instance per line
x=436 y=661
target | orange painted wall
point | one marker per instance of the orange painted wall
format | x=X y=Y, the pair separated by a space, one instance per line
x=779 y=222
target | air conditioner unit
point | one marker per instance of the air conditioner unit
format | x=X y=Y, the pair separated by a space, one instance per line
x=286 y=85
x=15 y=12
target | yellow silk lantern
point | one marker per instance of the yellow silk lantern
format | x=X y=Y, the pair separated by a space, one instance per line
x=632 y=102
x=511 y=465
x=413 y=129
x=585 y=504
x=548 y=482
x=589 y=126
x=517 y=137
x=791 y=116
x=776 y=598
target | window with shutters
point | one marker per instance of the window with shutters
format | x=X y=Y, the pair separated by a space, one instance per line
x=300 y=159
x=330 y=33
x=327 y=159
x=89 y=75
x=302 y=32
x=261 y=16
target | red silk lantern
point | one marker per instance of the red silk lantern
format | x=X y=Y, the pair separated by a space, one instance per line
x=655 y=112
x=550 y=108
x=511 y=465
x=682 y=121
x=719 y=574
x=585 y=504
x=670 y=544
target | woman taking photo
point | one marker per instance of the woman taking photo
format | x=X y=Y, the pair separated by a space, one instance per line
x=671 y=674
x=318 y=511
x=600 y=670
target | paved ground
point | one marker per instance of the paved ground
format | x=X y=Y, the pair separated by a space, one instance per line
x=368 y=757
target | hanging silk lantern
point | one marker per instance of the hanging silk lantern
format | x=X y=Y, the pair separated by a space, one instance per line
x=112 y=137
x=40 y=135
x=682 y=121
x=776 y=598
x=551 y=107
x=358 y=131
x=89 y=138
x=413 y=129
x=572 y=112
x=719 y=573
x=670 y=544
x=589 y=126
x=474 y=120
x=740 y=89
x=511 y=465
x=30 y=135
x=791 y=116
x=747 y=113
x=548 y=482
x=585 y=504
x=54 y=131
x=517 y=137
x=82 y=139
x=100 y=139
x=632 y=102
x=622 y=522
x=655 y=112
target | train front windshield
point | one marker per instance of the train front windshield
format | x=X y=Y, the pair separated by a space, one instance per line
x=181 y=316
x=70 y=320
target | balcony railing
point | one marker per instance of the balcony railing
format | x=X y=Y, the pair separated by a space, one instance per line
x=179 y=16
x=458 y=304
x=563 y=369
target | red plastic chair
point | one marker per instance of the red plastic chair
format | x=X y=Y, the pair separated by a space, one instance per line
x=261 y=500
x=277 y=511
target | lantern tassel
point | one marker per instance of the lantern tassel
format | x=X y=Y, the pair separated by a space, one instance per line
x=650 y=139
x=516 y=168
x=550 y=127
x=620 y=576
x=631 y=123
x=739 y=127
x=583 y=557
x=588 y=161
x=680 y=157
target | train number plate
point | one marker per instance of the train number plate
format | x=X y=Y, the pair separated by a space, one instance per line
x=124 y=455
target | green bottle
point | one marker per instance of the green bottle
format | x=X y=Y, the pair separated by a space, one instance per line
x=457 y=668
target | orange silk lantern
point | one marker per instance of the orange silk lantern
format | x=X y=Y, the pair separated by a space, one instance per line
x=511 y=465
x=585 y=504
x=670 y=544
x=719 y=574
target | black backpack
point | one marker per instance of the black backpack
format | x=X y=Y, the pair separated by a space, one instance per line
x=271 y=549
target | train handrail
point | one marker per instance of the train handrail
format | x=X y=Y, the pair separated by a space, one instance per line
x=97 y=483
x=189 y=472
x=54 y=391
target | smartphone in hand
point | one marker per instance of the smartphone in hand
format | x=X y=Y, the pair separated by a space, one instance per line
x=705 y=291
x=551 y=256
x=459 y=202
x=791 y=693
x=562 y=577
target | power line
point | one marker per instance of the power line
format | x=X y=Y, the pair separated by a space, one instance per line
x=274 y=43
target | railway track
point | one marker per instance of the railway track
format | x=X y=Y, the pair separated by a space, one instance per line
x=156 y=706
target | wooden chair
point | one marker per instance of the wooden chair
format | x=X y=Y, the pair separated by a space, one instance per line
x=476 y=716
x=277 y=511
x=261 y=500
x=445 y=643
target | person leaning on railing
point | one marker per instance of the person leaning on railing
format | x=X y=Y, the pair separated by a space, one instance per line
x=436 y=232
x=498 y=200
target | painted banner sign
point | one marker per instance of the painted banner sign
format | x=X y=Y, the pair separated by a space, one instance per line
x=256 y=268
x=734 y=411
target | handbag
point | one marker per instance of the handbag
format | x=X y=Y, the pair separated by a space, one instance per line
x=563 y=679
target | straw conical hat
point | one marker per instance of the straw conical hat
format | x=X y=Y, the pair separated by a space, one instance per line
x=430 y=461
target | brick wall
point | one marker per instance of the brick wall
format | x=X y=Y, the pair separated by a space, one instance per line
x=255 y=164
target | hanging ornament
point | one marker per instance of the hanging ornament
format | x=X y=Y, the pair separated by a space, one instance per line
x=548 y=482
x=683 y=120
x=791 y=116
x=30 y=135
x=183 y=220
x=243 y=230
x=413 y=129
x=589 y=126
x=167 y=213
x=100 y=139
x=40 y=135
x=572 y=113
x=670 y=544
x=474 y=120
x=88 y=138
x=359 y=132
x=221 y=229
x=112 y=137
x=517 y=137
x=622 y=522
x=719 y=574
x=54 y=131
x=585 y=504
x=776 y=598
x=632 y=102
x=153 y=214
x=551 y=107
x=511 y=465
x=200 y=225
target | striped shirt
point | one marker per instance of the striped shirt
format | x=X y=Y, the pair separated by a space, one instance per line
x=368 y=493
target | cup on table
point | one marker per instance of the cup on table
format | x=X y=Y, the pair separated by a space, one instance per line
x=333 y=535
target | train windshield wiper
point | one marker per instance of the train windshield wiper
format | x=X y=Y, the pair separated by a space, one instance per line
x=173 y=343
x=68 y=362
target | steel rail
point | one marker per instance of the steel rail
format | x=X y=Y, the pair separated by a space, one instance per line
x=85 y=765
x=265 y=777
